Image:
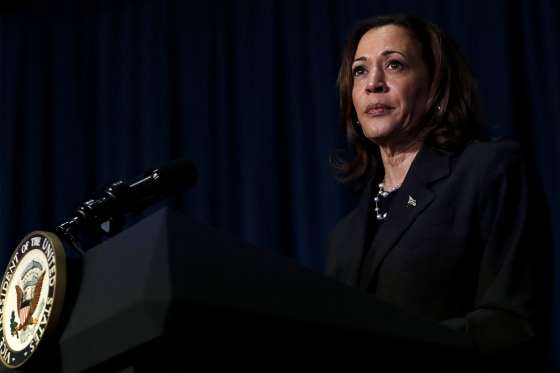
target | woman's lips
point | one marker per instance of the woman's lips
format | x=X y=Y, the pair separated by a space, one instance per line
x=377 y=108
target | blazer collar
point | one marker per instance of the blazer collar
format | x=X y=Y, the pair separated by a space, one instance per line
x=412 y=198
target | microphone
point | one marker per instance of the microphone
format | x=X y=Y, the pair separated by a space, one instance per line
x=124 y=197
x=121 y=198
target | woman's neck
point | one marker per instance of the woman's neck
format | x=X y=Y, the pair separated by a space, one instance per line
x=396 y=163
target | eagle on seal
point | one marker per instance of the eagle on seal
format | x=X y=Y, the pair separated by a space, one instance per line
x=27 y=300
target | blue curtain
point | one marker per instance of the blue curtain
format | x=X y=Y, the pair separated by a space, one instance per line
x=98 y=91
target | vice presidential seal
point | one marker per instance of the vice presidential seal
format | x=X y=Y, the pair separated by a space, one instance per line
x=31 y=296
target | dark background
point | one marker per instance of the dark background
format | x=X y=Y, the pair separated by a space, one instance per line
x=98 y=91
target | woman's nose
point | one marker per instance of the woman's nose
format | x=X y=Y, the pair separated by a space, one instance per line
x=376 y=83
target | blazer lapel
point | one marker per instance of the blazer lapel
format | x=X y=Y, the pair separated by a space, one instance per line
x=413 y=197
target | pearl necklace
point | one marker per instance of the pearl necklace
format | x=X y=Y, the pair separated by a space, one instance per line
x=383 y=193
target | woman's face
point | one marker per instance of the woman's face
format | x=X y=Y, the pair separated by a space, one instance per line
x=391 y=85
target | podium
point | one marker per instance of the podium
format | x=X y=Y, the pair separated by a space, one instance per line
x=174 y=294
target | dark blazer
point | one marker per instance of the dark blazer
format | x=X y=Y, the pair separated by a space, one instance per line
x=467 y=242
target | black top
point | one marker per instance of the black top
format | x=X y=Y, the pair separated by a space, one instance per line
x=473 y=251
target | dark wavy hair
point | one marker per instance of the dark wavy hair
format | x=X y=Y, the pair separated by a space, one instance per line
x=454 y=117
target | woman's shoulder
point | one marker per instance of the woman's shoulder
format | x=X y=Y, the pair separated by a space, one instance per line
x=498 y=157
x=496 y=145
x=499 y=148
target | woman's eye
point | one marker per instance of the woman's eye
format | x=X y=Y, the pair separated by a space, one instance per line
x=394 y=64
x=358 y=70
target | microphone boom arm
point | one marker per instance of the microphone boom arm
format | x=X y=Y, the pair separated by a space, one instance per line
x=106 y=216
